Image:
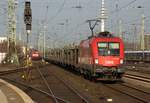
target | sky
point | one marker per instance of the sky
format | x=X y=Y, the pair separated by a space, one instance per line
x=66 y=24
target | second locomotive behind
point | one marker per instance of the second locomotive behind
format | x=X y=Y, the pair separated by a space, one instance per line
x=99 y=57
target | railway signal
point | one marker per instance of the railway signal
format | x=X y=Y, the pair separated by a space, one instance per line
x=28 y=22
x=28 y=15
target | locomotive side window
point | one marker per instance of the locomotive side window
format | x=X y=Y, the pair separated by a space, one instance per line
x=108 y=49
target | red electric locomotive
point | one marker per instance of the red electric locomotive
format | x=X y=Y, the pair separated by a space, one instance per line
x=35 y=55
x=98 y=57
x=101 y=57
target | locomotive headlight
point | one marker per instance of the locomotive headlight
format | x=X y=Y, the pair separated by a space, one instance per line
x=121 y=61
x=96 y=61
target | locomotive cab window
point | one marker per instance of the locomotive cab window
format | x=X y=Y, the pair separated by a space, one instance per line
x=102 y=48
x=108 y=49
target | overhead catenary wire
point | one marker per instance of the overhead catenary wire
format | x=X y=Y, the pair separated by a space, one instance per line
x=136 y=21
x=58 y=12
x=71 y=31
x=78 y=26
x=74 y=28
x=123 y=7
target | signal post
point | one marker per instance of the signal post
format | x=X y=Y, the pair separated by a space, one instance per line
x=28 y=23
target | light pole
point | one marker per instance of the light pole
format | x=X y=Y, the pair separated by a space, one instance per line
x=44 y=44
x=142 y=33
x=142 y=42
x=27 y=46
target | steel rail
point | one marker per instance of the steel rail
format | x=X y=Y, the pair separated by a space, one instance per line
x=72 y=89
x=33 y=88
x=128 y=94
x=146 y=92
x=138 y=77
x=12 y=71
x=46 y=83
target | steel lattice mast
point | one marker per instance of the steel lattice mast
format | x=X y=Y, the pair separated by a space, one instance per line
x=11 y=32
x=12 y=20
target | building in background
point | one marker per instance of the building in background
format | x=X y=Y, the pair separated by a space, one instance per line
x=3 y=48
x=2 y=39
x=147 y=41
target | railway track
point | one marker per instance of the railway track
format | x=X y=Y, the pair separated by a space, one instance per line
x=137 y=79
x=133 y=92
x=117 y=92
x=58 y=88
x=140 y=71
x=63 y=89
x=54 y=85
x=12 y=71
x=31 y=88
x=142 y=68
x=141 y=78
x=4 y=74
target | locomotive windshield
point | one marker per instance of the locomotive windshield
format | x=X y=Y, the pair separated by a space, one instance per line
x=108 y=49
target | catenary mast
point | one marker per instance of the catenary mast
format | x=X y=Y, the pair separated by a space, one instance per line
x=12 y=20
x=12 y=5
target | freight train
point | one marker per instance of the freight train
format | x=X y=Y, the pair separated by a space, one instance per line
x=137 y=56
x=96 y=58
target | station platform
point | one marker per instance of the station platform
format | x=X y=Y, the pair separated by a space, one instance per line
x=11 y=94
